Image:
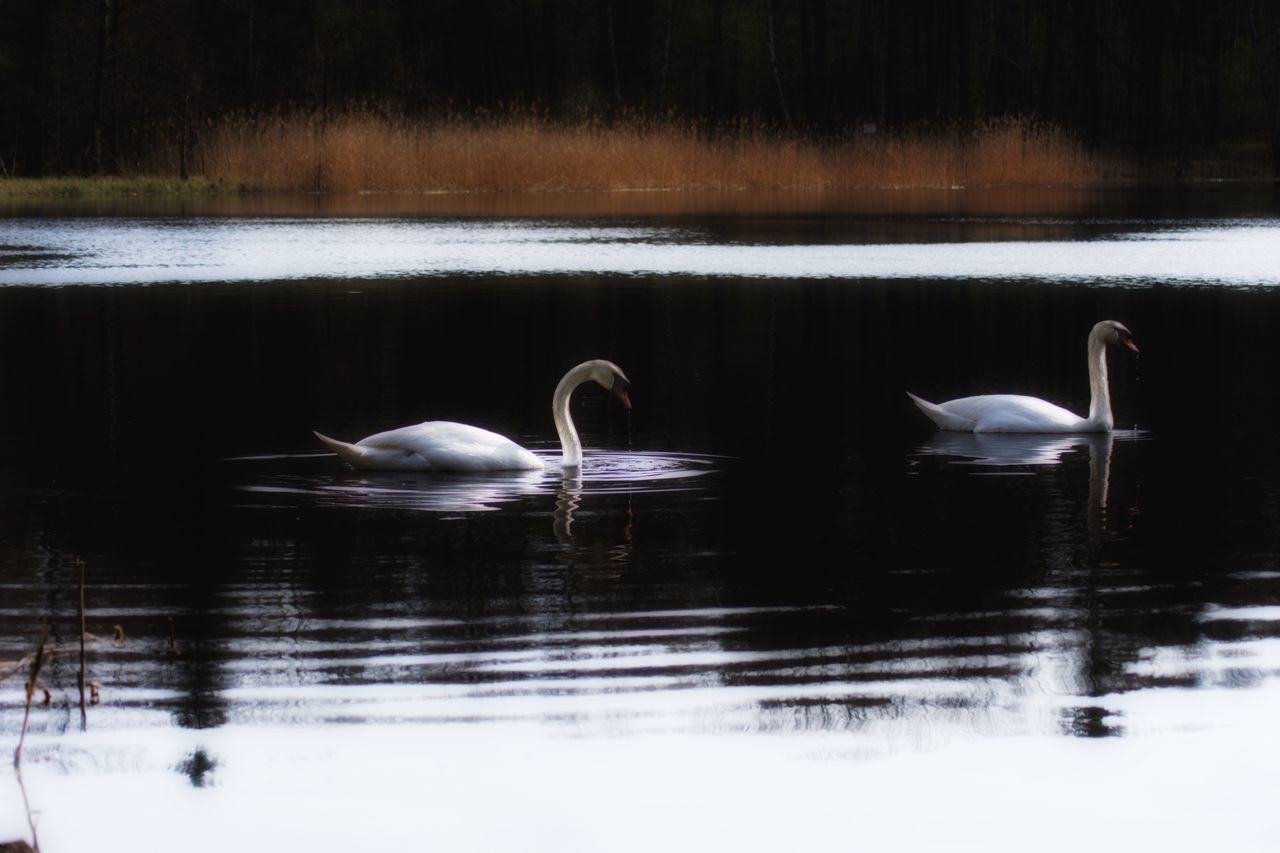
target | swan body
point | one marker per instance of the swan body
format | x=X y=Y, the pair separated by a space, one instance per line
x=435 y=446
x=449 y=446
x=1003 y=413
x=1019 y=413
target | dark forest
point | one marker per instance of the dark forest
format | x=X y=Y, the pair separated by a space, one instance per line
x=86 y=85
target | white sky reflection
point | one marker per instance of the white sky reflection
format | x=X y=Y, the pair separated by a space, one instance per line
x=114 y=251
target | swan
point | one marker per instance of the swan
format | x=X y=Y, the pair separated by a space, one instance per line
x=1017 y=413
x=449 y=446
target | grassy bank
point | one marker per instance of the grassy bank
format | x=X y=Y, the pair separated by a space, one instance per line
x=113 y=186
x=363 y=152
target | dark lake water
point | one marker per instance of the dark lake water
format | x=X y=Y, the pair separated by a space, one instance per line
x=775 y=611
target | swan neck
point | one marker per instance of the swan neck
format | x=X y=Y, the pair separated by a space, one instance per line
x=570 y=444
x=1099 y=389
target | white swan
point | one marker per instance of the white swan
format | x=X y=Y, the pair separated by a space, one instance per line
x=448 y=446
x=1016 y=413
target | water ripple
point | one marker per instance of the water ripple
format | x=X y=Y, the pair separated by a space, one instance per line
x=276 y=479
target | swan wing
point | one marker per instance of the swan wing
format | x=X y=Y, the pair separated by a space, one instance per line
x=448 y=446
x=953 y=421
x=375 y=458
x=436 y=446
x=1011 y=413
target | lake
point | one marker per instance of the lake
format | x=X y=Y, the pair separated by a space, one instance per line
x=775 y=610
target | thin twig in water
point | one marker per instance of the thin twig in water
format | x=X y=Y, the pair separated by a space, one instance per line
x=26 y=804
x=37 y=663
x=8 y=668
x=84 y=714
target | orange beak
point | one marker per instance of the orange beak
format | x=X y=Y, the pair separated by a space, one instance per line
x=619 y=389
x=1131 y=345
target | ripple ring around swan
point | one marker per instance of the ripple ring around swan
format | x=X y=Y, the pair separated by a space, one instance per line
x=282 y=479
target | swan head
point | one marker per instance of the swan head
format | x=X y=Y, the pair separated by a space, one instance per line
x=1113 y=332
x=610 y=377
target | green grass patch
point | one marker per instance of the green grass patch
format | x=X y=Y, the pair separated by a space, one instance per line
x=118 y=187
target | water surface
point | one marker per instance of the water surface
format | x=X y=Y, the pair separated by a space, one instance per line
x=775 y=609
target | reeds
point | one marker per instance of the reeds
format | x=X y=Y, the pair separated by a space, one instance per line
x=84 y=714
x=36 y=663
x=366 y=151
x=112 y=186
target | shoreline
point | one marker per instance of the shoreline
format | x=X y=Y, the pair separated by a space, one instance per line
x=158 y=187
x=135 y=197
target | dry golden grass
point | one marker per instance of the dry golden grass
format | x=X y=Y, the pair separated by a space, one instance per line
x=362 y=151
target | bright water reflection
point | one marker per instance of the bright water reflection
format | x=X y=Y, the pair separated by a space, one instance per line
x=38 y=252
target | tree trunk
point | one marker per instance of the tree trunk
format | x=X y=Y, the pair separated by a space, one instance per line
x=666 y=63
x=111 y=92
x=1265 y=23
x=99 y=85
x=773 y=64
x=183 y=171
x=1048 y=72
x=613 y=56
x=1086 y=84
x=717 y=63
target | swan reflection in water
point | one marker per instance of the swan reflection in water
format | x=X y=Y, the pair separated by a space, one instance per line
x=568 y=498
x=613 y=546
x=1031 y=450
x=984 y=448
x=451 y=495
x=443 y=493
x=601 y=473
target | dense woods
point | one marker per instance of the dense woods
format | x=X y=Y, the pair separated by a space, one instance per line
x=93 y=86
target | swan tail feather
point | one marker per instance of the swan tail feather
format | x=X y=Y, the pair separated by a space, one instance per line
x=940 y=416
x=349 y=453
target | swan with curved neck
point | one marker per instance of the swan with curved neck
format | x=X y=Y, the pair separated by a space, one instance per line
x=449 y=446
x=1017 y=413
